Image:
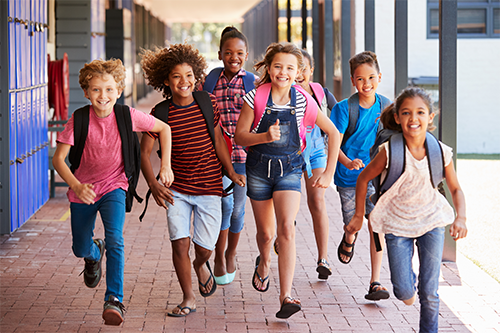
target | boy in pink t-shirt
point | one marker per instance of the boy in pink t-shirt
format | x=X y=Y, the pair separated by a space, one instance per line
x=99 y=184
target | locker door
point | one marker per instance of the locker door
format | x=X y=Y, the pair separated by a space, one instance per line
x=45 y=150
x=12 y=43
x=35 y=52
x=38 y=148
x=21 y=157
x=14 y=214
x=17 y=44
x=30 y=165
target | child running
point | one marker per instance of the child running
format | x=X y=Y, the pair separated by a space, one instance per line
x=198 y=148
x=269 y=124
x=99 y=184
x=316 y=195
x=412 y=211
x=230 y=85
x=358 y=136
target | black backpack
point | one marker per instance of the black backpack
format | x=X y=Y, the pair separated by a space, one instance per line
x=131 y=147
x=202 y=98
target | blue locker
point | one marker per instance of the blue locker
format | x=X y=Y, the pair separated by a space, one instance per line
x=45 y=77
x=17 y=43
x=45 y=151
x=38 y=147
x=21 y=155
x=33 y=36
x=27 y=42
x=12 y=162
x=29 y=155
x=12 y=43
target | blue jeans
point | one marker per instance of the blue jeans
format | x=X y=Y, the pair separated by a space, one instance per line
x=430 y=252
x=233 y=206
x=112 y=209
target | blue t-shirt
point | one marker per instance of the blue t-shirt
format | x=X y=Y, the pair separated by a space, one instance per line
x=359 y=144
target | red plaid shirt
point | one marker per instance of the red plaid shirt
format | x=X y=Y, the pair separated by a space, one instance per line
x=229 y=96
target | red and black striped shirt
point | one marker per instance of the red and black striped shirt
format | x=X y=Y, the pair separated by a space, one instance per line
x=196 y=168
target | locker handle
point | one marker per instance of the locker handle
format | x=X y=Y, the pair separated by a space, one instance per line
x=19 y=160
x=9 y=19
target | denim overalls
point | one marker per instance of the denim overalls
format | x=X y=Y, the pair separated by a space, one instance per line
x=276 y=166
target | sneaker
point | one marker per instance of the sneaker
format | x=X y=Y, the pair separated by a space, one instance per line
x=113 y=311
x=92 y=271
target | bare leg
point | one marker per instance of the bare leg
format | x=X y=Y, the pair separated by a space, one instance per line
x=286 y=207
x=317 y=207
x=232 y=243
x=182 y=264
x=266 y=229
x=201 y=270
x=220 y=248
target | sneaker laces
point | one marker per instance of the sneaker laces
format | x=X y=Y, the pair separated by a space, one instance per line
x=89 y=266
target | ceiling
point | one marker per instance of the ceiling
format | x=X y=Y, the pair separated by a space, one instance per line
x=170 y=11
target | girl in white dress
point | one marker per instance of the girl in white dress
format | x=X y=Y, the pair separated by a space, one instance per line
x=412 y=211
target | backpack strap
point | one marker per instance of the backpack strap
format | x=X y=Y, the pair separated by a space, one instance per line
x=435 y=158
x=80 y=132
x=211 y=79
x=204 y=101
x=397 y=161
x=353 y=107
x=248 y=82
x=318 y=91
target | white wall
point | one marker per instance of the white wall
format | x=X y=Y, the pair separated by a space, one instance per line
x=478 y=72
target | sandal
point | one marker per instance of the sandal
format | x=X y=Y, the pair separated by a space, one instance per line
x=323 y=269
x=262 y=280
x=341 y=251
x=288 y=309
x=214 y=285
x=180 y=314
x=376 y=293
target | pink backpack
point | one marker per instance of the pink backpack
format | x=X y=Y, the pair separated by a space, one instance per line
x=308 y=122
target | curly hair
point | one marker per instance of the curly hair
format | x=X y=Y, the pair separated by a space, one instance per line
x=271 y=51
x=365 y=57
x=387 y=116
x=96 y=68
x=158 y=64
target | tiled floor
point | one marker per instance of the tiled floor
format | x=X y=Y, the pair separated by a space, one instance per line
x=42 y=292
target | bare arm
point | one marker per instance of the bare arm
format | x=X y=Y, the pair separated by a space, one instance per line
x=326 y=125
x=165 y=137
x=242 y=134
x=373 y=169
x=160 y=192
x=223 y=155
x=458 y=229
x=84 y=192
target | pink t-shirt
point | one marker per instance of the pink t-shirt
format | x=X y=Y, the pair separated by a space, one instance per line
x=102 y=158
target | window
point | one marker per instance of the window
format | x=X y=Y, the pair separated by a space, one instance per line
x=475 y=18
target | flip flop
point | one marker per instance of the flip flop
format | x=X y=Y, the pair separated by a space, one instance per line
x=340 y=249
x=376 y=293
x=323 y=270
x=214 y=285
x=171 y=314
x=262 y=280
x=288 y=309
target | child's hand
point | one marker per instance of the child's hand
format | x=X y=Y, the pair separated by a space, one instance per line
x=237 y=179
x=166 y=176
x=274 y=131
x=85 y=193
x=354 y=225
x=162 y=193
x=323 y=181
x=355 y=164
x=458 y=229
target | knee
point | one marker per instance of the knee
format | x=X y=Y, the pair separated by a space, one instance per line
x=287 y=232
x=180 y=246
x=410 y=301
x=265 y=236
x=315 y=202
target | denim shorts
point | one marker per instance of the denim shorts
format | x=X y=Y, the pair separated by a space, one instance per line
x=348 y=201
x=233 y=205
x=317 y=159
x=269 y=173
x=206 y=222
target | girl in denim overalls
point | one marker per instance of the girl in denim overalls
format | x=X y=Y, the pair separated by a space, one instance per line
x=274 y=164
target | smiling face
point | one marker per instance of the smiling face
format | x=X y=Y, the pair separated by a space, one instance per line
x=181 y=81
x=366 y=79
x=305 y=75
x=413 y=116
x=233 y=54
x=283 y=70
x=102 y=93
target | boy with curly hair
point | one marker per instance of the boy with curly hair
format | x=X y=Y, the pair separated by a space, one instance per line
x=176 y=71
x=99 y=183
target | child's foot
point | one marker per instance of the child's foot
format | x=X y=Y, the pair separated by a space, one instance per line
x=204 y=273
x=230 y=263
x=183 y=309
x=345 y=250
x=377 y=292
x=113 y=311
x=92 y=271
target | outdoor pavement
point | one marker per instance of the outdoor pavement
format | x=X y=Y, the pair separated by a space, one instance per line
x=41 y=290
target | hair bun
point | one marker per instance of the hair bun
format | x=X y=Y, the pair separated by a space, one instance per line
x=228 y=29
